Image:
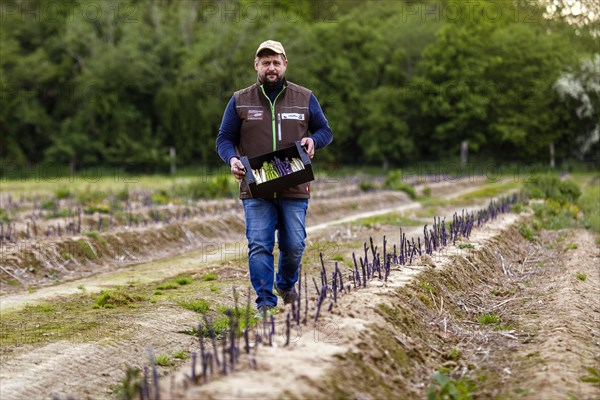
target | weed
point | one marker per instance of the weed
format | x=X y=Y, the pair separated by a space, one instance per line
x=184 y=280
x=593 y=377
x=96 y=235
x=131 y=385
x=88 y=252
x=82 y=288
x=442 y=388
x=116 y=298
x=168 y=285
x=209 y=277
x=571 y=246
x=366 y=186
x=526 y=232
x=426 y=191
x=454 y=354
x=200 y=306
x=180 y=355
x=215 y=289
x=394 y=181
x=465 y=246
x=163 y=360
x=581 y=277
x=4 y=217
x=486 y=319
x=338 y=257
x=63 y=193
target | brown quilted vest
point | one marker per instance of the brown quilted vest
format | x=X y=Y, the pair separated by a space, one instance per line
x=267 y=127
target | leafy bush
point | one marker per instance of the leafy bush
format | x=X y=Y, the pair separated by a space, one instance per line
x=550 y=187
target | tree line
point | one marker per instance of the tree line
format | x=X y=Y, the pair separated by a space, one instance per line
x=122 y=82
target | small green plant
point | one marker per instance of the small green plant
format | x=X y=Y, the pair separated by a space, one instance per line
x=163 y=360
x=200 y=306
x=4 y=217
x=180 y=355
x=82 y=288
x=131 y=386
x=96 y=235
x=465 y=246
x=168 y=285
x=426 y=191
x=581 y=277
x=209 y=277
x=571 y=246
x=63 y=193
x=394 y=181
x=87 y=250
x=116 y=298
x=454 y=354
x=215 y=289
x=486 y=319
x=593 y=377
x=184 y=280
x=526 y=232
x=444 y=388
x=366 y=186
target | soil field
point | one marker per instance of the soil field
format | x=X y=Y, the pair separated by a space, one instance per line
x=494 y=316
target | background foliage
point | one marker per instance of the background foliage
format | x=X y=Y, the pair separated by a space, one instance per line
x=115 y=82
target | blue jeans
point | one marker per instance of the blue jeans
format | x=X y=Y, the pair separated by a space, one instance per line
x=263 y=218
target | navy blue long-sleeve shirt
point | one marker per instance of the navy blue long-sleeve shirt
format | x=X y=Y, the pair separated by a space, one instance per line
x=229 y=132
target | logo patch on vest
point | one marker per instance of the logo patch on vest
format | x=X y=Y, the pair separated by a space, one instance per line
x=255 y=115
x=297 y=116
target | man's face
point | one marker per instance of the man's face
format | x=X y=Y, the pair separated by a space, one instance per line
x=270 y=69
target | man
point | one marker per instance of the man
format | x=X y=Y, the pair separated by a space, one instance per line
x=269 y=115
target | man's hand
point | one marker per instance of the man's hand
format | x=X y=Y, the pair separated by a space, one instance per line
x=237 y=168
x=310 y=146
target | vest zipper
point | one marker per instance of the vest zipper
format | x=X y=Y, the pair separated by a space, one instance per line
x=272 y=105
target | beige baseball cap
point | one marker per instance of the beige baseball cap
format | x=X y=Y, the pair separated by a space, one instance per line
x=271 y=45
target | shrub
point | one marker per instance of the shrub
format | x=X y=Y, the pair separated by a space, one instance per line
x=550 y=187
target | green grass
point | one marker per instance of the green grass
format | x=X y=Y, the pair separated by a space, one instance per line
x=487 y=319
x=200 y=305
x=209 y=277
x=174 y=283
x=526 y=232
x=571 y=246
x=393 y=218
x=589 y=202
x=117 y=298
x=489 y=191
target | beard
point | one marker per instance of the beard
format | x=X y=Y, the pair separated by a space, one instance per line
x=271 y=80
